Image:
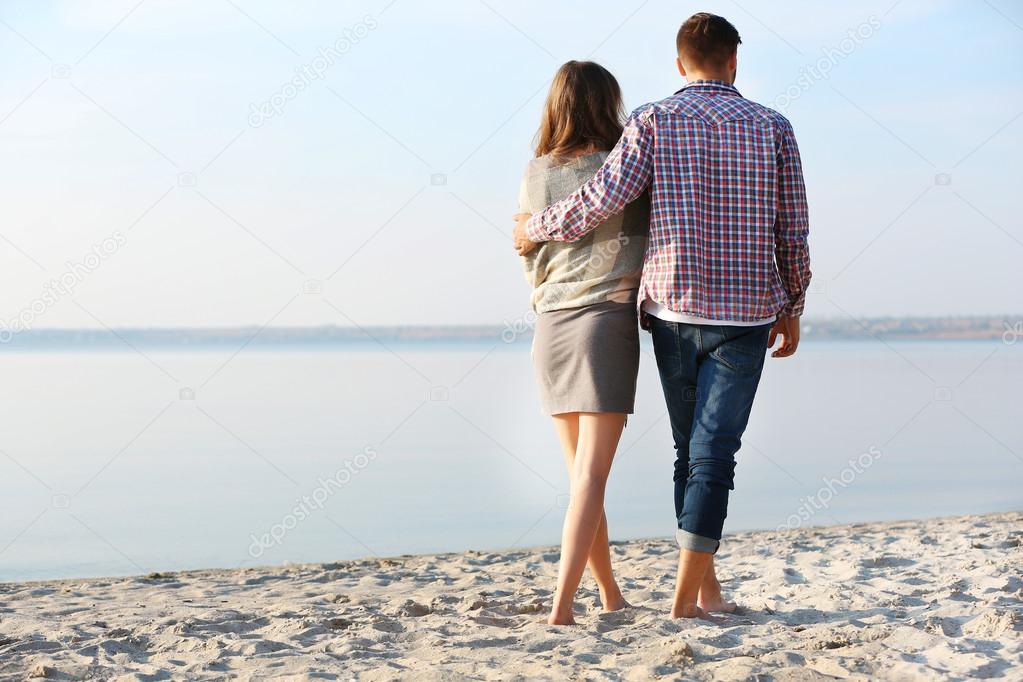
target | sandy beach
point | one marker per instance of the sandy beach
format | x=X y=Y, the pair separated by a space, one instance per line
x=934 y=599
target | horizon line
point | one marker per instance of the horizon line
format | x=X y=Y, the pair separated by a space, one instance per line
x=992 y=317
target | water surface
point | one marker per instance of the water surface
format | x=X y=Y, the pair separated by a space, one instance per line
x=118 y=463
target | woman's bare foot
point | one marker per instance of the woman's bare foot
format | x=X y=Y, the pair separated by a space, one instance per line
x=613 y=600
x=615 y=604
x=711 y=600
x=691 y=611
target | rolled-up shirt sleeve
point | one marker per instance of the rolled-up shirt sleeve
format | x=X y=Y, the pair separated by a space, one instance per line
x=626 y=173
x=792 y=225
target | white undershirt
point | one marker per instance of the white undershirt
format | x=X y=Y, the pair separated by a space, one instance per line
x=660 y=312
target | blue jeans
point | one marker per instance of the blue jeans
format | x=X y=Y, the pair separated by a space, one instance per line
x=710 y=375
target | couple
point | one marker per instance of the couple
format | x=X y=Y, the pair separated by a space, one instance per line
x=694 y=211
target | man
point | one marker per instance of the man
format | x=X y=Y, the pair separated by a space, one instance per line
x=725 y=272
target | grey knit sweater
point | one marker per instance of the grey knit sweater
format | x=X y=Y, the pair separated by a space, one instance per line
x=605 y=265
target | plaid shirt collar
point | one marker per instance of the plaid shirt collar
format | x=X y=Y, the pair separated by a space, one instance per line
x=710 y=87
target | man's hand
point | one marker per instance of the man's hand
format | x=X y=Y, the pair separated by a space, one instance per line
x=788 y=329
x=522 y=243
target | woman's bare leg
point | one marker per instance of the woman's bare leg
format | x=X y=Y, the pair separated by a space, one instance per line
x=599 y=557
x=595 y=450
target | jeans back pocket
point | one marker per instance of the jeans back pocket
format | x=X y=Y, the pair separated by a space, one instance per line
x=743 y=349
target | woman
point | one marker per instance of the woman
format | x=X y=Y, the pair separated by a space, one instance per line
x=586 y=343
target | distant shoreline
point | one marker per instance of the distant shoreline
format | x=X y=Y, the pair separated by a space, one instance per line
x=1007 y=328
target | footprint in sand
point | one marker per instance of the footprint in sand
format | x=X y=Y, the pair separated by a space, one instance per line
x=498 y=621
x=948 y=627
x=383 y=624
x=337 y=624
x=886 y=561
x=413 y=609
x=793 y=577
x=475 y=604
x=679 y=655
x=535 y=606
x=609 y=621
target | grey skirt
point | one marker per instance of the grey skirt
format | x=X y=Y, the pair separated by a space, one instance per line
x=587 y=358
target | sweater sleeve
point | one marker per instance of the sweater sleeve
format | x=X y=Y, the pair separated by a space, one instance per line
x=626 y=173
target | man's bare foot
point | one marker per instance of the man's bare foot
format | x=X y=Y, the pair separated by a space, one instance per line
x=718 y=606
x=711 y=600
x=558 y=620
x=691 y=611
x=561 y=618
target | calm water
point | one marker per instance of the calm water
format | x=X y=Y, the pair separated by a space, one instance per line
x=107 y=466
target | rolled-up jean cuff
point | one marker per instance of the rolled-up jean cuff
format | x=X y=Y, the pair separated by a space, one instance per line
x=696 y=543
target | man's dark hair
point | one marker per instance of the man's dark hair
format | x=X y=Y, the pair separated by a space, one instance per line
x=706 y=40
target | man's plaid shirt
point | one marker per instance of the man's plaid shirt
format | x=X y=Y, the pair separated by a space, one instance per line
x=728 y=222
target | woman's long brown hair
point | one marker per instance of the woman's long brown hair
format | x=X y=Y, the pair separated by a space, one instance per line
x=583 y=111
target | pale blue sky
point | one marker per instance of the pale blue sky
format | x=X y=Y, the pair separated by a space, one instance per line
x=104 y=104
